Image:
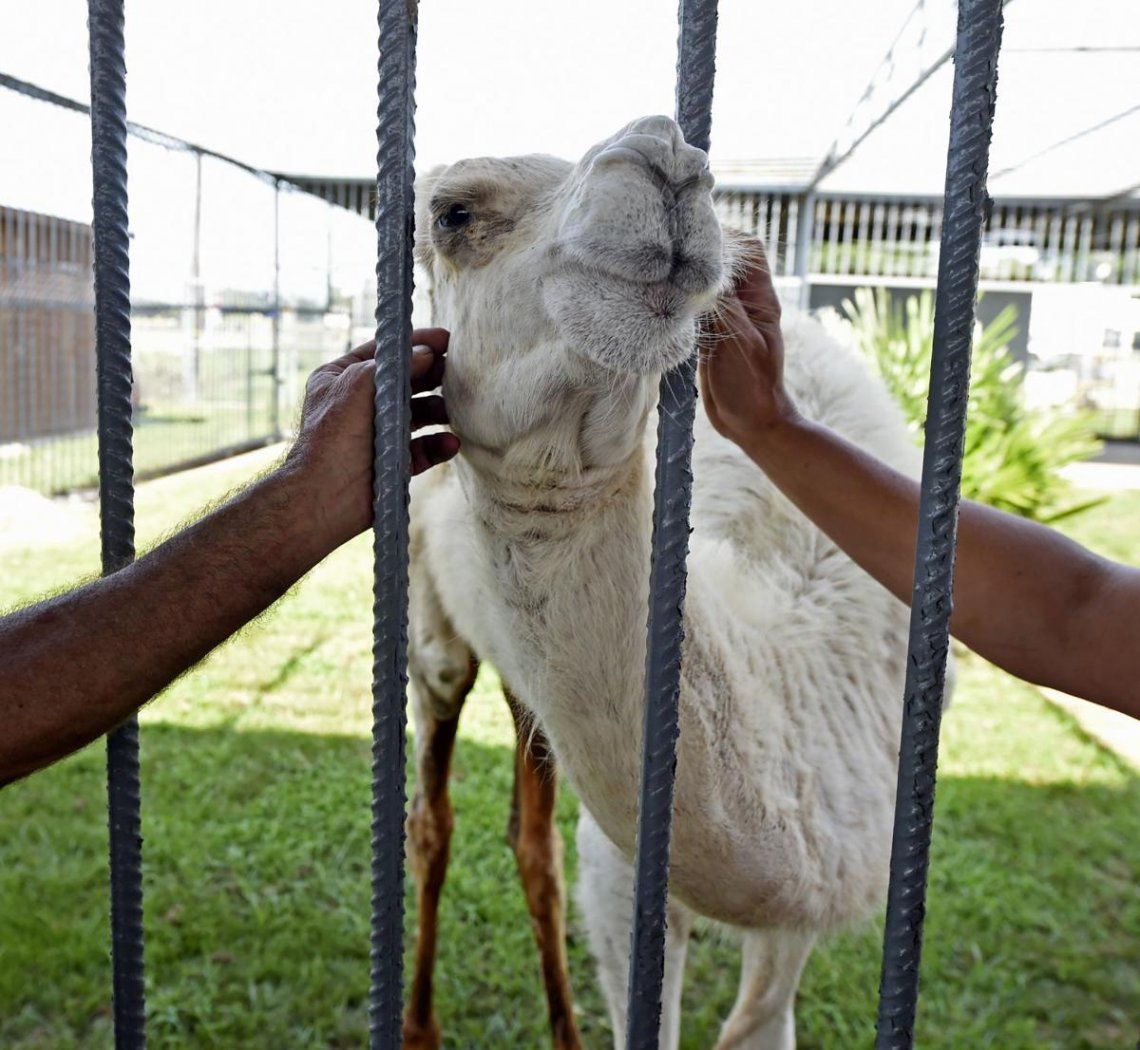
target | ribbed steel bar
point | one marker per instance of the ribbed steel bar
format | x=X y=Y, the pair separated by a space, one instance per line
x=696 y=63
x=394 y=230
x=116 y=489
x=971 y=123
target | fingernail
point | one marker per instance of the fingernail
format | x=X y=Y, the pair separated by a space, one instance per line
x=423 y=351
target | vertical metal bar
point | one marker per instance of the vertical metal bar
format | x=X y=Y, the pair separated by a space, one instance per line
x=8 y=346
x=1116 y=248
x=196 y=276
x=791 y=247
x=275 y=394
x=1039 y=270
x=877 y=239
x=1013 y=219
x=805 y=238
x=23 y=426
x=841 y=212
x=696 y=63
x=71 y=329
x=847 y=251
x=863 y=255
x=775 y=233
x=1130 y=260
x=833 y=211
x=31 y=341
x=892 y=239
x=913 y=224
x=930 y=269
x=1056 y=243
x=249 y=395
x=996 y=232
x=971 y=125
x=1084 y=246
x=55 y=355
x=1069 y=237
x=1028 y=237
x=395 y=216
x=116 y=488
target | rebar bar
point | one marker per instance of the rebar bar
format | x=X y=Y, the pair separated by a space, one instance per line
x=397 y=21
x=696 y=64
x=971 y=124
x=116 y=489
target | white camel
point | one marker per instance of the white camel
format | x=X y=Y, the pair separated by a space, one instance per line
x=568 y=289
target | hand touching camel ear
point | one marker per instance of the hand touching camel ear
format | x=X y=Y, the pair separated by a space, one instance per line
x=742 y=365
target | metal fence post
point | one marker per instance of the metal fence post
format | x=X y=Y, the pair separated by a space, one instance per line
x=275 y=367
x=196 y=277
x=116 y=489
x=397 y=21
x=696 y=59
x=805 y=239
x=971 y=123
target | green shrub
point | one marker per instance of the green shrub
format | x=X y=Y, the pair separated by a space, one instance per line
x=1013 y=454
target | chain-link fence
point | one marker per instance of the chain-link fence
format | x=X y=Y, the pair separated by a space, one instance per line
x=241 y=284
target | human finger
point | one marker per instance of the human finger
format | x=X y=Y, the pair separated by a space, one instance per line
x=364 y=352
x=436 y=338
x=730 y=318
x=428 y=411
x=427 y=368
x=757 y=294
x=433 y=449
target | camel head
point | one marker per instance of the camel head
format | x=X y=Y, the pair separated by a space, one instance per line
x=568 y=289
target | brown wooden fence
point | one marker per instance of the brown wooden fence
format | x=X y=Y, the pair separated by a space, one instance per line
x=47 y=327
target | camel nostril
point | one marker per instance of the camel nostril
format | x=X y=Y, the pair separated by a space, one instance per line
x=621 y=155
x=674 y=170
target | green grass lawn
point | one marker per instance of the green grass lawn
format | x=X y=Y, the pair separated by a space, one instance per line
x=256 y=814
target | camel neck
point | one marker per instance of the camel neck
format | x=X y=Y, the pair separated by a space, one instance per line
x=510 y=500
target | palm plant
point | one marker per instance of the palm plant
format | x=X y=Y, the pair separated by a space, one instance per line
x=1013 y=453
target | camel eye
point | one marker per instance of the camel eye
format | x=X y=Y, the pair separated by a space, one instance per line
x=455 y=216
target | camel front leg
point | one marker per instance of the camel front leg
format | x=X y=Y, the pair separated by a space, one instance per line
x=605 y=897
x=763 y=1017
x=429 y=828
x=537 y=847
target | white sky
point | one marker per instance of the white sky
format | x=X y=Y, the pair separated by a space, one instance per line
x=290 y=85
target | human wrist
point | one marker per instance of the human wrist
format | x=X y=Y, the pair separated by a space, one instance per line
x=308 y=518
x=766 y=425
x=776 y=435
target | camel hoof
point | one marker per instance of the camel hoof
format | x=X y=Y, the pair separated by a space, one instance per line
x=421 y=1037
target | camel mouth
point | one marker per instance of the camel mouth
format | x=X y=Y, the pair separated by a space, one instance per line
x=644 y=263
x=624 y=324
x=690 y=286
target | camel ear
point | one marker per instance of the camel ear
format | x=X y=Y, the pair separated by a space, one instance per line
x=425 y=185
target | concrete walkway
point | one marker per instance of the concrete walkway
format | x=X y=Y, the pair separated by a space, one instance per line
x=1111 y=729
x=1116 y=468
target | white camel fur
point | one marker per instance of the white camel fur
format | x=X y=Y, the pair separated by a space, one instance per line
x=568 y=289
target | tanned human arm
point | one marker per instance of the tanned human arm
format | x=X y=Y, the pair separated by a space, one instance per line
x=75 y=666
x=1025 y=597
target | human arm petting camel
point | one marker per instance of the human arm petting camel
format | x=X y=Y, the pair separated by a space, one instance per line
x=1025 y=597
x=75 y=666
